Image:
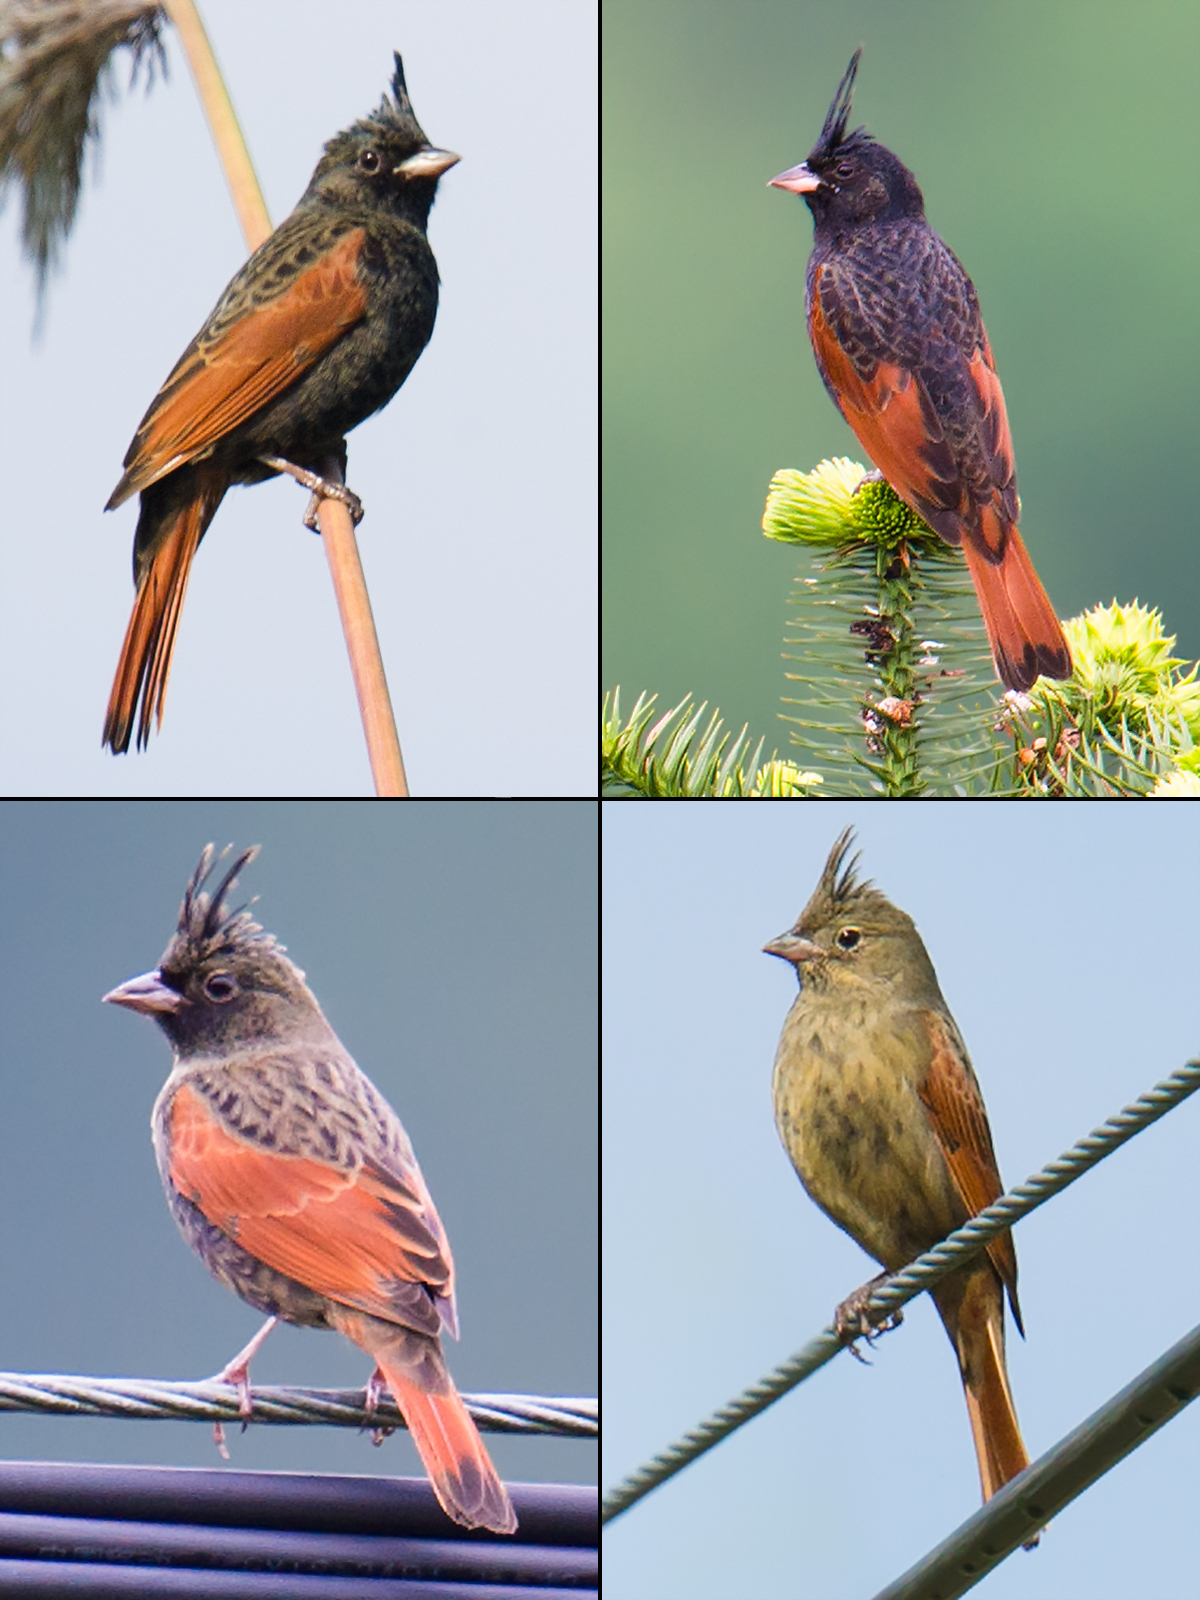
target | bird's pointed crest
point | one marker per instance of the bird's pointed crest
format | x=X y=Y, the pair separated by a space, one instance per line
x=393 y=115
x=839 y=880
x=834 y=131
x=206 y=924
x=401 y=105
x=841 y=887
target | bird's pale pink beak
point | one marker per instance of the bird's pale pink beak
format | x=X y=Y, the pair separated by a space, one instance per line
x=148 y=993
x=791 y=947
x=428 y=163
x=800 y=180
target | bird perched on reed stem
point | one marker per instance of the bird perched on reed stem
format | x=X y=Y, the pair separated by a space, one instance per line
x=314 y=333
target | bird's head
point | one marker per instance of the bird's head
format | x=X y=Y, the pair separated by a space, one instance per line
x=850 y=935
x=222 y=981
x=383 y=160
x=848 y=178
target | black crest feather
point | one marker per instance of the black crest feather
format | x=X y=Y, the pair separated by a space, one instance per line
x=840 y=880
x=840 y=888
x=206 y=924
x=834 y=131
x=394 y=115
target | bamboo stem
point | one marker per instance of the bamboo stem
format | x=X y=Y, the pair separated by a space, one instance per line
x=362 y=642
x=222 y=120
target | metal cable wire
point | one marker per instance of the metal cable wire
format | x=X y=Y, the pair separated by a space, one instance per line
x=911 y=1281
x=212 y=1401
x=1155 y=1397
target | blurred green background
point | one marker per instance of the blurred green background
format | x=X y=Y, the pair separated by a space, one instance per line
x=1057 y=147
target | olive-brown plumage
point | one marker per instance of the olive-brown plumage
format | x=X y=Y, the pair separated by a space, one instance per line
x=881 y=1113
x=294 y=1180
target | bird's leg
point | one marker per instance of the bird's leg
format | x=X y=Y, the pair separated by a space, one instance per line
x=375 y=1387
x=851 y=1320
x=322 y=489
x=237 y=1372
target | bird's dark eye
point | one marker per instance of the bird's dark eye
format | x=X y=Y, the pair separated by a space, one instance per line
x=847 y=938
x=368 y=160
x=220 y=986
x=844 y=170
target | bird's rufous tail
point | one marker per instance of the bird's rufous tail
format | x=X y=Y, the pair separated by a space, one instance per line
x=973 y=1311
x=453 y=1454
x=1025 y=634
x=172 y=539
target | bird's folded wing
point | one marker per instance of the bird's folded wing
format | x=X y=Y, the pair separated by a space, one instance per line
x=955 y=471
x=224 y=379
x=956 y=1112
x=365 y=1237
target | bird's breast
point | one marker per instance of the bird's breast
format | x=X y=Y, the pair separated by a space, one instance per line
x=857 y=1134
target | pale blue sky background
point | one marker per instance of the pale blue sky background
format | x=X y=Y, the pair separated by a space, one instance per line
x=452 y=948
x=478 y=479
x=1064 y=940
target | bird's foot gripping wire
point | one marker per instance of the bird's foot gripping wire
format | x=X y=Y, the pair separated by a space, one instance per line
x=375 y=1388
x=237 y=1373
x=851 y=1320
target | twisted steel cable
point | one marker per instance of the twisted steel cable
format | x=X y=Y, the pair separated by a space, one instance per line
x=902 y=1286
x=213 y=1401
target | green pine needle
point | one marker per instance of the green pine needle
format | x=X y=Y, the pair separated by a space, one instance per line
x=890 y=652
x=683 y=757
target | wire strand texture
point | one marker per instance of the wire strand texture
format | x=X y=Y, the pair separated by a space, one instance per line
x=213 y=1401
x=903 y=1286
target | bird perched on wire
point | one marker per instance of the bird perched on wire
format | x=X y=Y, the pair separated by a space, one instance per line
x=901 y=347
x=881 y=1113
x=294 y=1180
x=315 y=333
